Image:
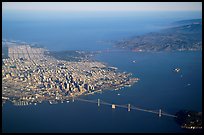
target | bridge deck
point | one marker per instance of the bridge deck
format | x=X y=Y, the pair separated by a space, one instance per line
x=126 y=106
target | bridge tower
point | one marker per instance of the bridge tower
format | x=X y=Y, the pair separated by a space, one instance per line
x=128 y=107
x=113 y=106
x=98 y=102
x=160 y=112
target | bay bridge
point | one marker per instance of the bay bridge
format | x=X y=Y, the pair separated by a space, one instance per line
x=129 y=107
x=100 y=102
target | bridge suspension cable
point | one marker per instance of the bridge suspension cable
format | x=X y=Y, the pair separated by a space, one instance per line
x=127 y=106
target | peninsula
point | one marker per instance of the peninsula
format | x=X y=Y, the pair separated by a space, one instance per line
x=32 y=75
x=185 y=35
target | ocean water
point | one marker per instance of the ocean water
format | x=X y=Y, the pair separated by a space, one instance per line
x=79 y=33
x=159 y=87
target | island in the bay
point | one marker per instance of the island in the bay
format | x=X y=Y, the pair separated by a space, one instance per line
x=189 y=119
x=33 y=74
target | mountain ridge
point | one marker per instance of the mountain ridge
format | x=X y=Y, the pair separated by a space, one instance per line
x=183 y=37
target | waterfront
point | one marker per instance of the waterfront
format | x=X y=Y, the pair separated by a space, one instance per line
x=160 y=87
x=30 y=75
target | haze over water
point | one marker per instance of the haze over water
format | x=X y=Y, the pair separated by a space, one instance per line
x=159 y=87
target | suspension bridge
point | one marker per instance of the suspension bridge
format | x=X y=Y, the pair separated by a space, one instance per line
x=129 y=107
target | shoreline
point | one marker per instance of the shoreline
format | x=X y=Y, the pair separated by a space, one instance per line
x=69 y=79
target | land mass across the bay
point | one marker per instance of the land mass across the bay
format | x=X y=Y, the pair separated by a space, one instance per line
x=34 y=74
x=185 y=35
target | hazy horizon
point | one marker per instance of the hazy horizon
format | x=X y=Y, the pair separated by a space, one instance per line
x=35 y=11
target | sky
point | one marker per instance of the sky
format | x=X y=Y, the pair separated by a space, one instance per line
x=102 y=6
x=69 y=10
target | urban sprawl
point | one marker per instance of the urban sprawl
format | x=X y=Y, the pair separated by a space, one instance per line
x=29 y=76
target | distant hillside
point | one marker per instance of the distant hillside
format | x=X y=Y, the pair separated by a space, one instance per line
x=183 y=37
x=187 y=22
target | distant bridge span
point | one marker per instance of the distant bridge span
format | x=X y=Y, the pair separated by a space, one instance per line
x=127 y=106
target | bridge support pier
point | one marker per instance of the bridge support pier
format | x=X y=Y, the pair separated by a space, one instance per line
x=128 y=107
x=160 y=112
x=98 y=102
x=113 y=106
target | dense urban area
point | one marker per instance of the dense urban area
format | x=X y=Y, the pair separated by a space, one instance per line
x=30 y=76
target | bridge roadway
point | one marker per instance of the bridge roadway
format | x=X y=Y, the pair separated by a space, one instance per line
x=126 y=106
